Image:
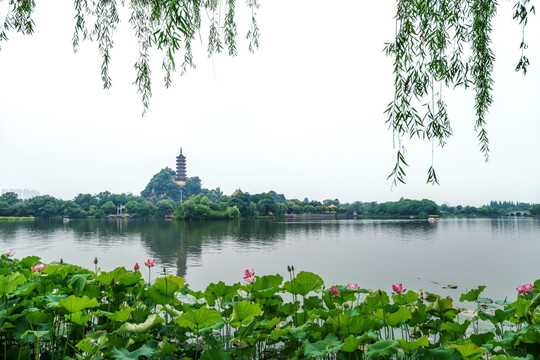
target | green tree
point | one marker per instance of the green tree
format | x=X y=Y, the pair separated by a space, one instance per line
x=165 y=207
x=10 y=198
x=85 y=201
x=108 y=208
x=133 y=206
x=162 y=186
x=72 y=209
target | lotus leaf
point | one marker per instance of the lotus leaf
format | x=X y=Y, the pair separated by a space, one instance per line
x=216 y=354
x=165 y=347
x=382 y=349
x=303 y=283
x=8 y=283
x=472 y=295
x=199 y=318
x=392 y=319
x=456 y=327
x=121 y=315
x=74 y=304
x=329 y=345
x=80 y=318
x=92 y=346
x=169 y=285
x=78 y=281
x=351 y=344
x=148 y=350
x=53 y=300
x=30 y=261
x=410 y=346
x=266 y=286
x=243 y=313
x=469 y=350
x=141 y=328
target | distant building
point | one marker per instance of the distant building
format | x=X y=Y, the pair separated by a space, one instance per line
x=22 y=194
x=237 y=192
x=180 y=177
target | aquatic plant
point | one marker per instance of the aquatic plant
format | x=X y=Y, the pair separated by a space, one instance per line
x=64 y=311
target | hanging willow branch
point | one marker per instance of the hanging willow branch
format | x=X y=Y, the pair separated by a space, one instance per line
x=429 y=50
x=170 y=26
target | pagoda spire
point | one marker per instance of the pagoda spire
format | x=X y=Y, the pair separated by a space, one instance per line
x=180 y=176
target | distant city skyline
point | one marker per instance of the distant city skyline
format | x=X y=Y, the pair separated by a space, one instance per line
x=22 y=194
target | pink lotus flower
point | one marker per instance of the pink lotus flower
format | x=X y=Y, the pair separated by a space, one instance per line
x=150 y=263
x=136 y=267
x=9 y=253
x=398 y=289
x=249 y=273
x=249 y=276
x=353 y=286
x=95 y=261
x=524 y=289
x=334 y=291
x=38 y=267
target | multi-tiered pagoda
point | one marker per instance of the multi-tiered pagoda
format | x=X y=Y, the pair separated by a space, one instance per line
x=180 y=177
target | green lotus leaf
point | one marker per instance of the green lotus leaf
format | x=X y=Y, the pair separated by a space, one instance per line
x=55 y=270
x=25 y=289
x=165 y=347
x=304 y=283
x=91 y=346
x=442 y=305
x=80 y=318
x=120 y=276
x=37 y=317
x=121 y=315
x=482 y=338
x=78 y=281
x=456 y=327
x=521 y=305
x=53 y=300
x=156 y=296
x=216 y=354
x=392 y=319
x=377 y=300
x=74 y=304
x=30 y=261
x=530 y=334
x=410 y=346
x=472 y=295
x=243 y=313
x=382 y=349
x=508 y=340
x=169 y=285
x=329 y=345
x=469 y=350
x=199 y=318
x=405 y=299
x=351 y=344
x=8 y=283
x=266 y=286
x=441 y=354
x=148 y=350
x=141 y=328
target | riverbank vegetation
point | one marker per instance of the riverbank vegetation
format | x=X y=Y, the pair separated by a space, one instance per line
x=63 y=311
x=163 y=197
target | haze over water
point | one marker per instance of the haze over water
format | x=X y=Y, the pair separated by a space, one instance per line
x=500 y=253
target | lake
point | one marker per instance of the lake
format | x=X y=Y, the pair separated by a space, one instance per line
x=500 y=253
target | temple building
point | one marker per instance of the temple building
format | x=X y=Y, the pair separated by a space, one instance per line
x=180 y=177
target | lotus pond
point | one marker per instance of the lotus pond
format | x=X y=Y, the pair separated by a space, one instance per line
x=64 y=311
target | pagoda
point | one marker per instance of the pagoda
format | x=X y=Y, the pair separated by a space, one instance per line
x=180 y=177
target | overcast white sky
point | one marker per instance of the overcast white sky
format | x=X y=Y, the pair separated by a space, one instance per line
x=302 y=116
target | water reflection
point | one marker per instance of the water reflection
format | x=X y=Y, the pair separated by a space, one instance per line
x=381 y=251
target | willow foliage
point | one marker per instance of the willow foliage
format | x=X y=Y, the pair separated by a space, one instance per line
x=437 y=44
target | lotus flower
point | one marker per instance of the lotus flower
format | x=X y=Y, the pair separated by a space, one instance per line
x=524 y=289
x=398 y=289
x=136 y=267
x=150 y=263
x=9 y=253
x=95 y=260
x=38 y=267
x=334 y=291
x=249 y=276
x=249 y=273
x=353 y=286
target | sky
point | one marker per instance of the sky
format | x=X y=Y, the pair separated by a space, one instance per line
x=302 y=116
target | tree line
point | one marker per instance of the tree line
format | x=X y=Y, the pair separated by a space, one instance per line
x=163 y=197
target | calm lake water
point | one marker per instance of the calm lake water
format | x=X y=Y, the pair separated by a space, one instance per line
x=499 y=253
